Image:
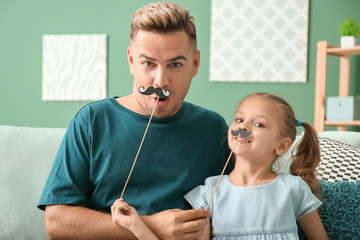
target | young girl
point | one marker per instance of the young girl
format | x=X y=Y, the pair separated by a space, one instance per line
x=254 y=202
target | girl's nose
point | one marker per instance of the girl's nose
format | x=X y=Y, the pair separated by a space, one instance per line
x=244 y=127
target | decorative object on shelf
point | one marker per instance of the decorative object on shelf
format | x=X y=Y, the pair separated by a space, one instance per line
x=349 y=31
x=343 y=108
x=74 y=67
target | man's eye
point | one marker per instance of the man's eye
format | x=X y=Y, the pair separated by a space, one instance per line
x=148 y=64
x=259 y=125
x=176 y=65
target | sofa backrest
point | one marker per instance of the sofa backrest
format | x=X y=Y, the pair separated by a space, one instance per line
x=346 y=138
x=26 y=156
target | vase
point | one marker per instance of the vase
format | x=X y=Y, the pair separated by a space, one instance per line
x=347 y=41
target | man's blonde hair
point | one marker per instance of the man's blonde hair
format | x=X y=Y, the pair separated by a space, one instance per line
x=163 y=17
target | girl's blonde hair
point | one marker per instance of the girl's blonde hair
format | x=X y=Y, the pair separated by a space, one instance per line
x=307 y=156
x=163 y=17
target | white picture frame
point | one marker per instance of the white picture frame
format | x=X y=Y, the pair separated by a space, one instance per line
x=74 y=67
x=259 y=40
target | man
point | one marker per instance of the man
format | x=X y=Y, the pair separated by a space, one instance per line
x=184 y=144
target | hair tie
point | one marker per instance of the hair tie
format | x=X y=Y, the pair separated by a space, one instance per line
x=298 y=123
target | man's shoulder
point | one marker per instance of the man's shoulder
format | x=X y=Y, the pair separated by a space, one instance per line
x=96 y=106
x=202 y=112
x=100 y=103
x=93 y=109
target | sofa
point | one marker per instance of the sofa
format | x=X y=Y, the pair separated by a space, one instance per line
x=27 y=153
x=26 y=156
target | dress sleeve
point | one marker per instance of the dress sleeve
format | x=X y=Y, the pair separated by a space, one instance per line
x=305 y=200
x=199 y=196
x=68 y=181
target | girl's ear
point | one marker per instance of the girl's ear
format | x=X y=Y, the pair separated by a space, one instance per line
x=283 y=146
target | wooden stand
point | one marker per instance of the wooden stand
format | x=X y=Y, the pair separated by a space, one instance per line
x=323 y=49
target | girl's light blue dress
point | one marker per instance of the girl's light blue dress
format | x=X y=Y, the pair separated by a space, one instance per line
x=267 y=211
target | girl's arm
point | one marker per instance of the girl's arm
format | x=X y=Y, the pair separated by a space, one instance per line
x=312 y=226
x=127 y=217
x=142 y=232
x=206 y=235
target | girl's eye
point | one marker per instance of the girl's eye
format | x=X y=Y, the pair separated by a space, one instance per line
x=238 y=120
x=259 y=125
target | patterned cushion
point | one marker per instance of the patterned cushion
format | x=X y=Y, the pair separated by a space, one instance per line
x=339 y=161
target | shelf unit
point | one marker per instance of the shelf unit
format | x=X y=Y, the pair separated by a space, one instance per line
x=323 y=49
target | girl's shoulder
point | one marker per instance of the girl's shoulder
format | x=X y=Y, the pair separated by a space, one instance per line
x=288 y=179
x=295 y=184
x=211 y=181
x=288 y=176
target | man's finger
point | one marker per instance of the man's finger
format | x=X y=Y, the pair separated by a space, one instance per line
x=193 y=235
x=193 y=214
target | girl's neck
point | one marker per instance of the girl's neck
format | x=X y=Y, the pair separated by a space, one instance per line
x=248 y=173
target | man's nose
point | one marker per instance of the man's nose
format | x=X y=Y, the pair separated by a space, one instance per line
x=161 y=78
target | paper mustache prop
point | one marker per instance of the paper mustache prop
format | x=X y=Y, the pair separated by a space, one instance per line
x=161 y=93
x=243 y=133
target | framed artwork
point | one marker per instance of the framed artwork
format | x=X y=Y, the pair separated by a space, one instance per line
x=259 y=40
x=74 y=67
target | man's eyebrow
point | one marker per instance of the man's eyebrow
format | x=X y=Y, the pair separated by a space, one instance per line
x=147 y=57
x=180 y=57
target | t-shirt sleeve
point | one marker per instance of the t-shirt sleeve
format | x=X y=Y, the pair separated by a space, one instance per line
x=199 y=197
x=305 y=200
x=68 y=181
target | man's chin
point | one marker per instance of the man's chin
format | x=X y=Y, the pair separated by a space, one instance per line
x=165 y=112
x=162 y=114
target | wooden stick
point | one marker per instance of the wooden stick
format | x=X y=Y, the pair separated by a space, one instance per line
x=137 y=154
x=222 y=173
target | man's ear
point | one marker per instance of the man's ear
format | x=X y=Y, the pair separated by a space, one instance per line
x=130 y=59
x=196 y=62
x=283 y=146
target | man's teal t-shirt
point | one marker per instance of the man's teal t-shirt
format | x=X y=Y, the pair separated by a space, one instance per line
x=100 y=145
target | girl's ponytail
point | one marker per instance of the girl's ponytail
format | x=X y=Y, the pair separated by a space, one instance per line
x=307 y=158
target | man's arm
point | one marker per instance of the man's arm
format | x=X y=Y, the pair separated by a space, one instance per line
x=73 y=222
